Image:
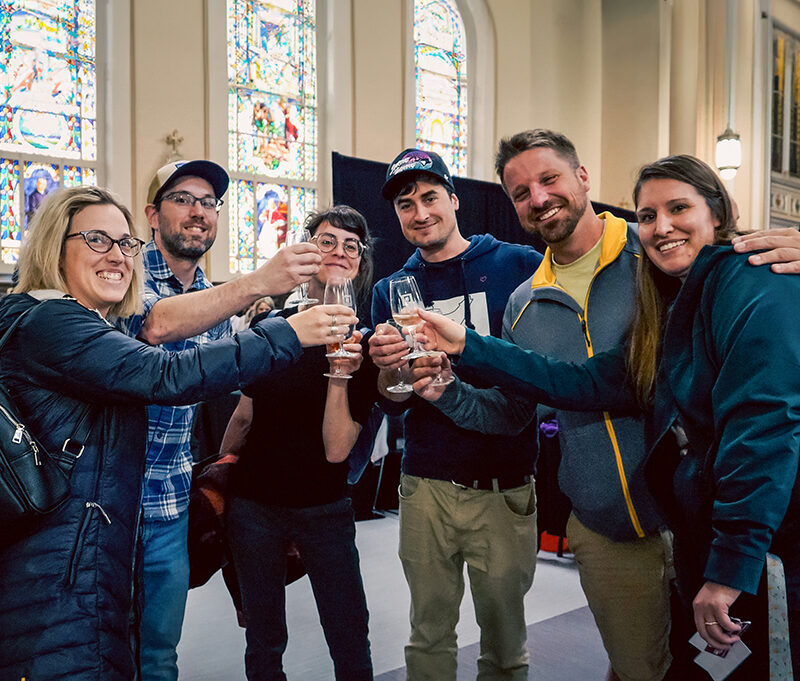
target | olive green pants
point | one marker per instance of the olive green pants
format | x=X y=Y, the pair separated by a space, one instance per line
x=443 y=526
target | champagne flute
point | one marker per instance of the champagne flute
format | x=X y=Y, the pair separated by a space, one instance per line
x=300 y=236
x=339 y=291
x=406 y=303
x=401 y=386
x=439 y=380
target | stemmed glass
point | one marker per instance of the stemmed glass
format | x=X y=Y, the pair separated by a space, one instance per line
x=401 y=386
x=406 y=303
x=339 y=291
x=300 y=236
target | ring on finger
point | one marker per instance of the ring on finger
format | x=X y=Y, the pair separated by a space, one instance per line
x=333 y=320
x=711 y=623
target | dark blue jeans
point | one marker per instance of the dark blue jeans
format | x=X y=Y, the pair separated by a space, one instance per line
x=325 y=536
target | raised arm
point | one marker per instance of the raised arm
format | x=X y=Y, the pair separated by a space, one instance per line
x=89 y=359
x=485 y=410
x=597 y=384
x=178 y=317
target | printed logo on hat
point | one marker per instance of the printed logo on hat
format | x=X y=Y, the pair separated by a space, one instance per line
x=414 y=160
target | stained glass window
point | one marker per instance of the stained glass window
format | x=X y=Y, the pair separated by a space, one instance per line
x=272 y=124
x=440 y=60
x=47 y=107
x=785 y=104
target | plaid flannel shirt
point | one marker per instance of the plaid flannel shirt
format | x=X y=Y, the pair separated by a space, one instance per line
x=168 y=472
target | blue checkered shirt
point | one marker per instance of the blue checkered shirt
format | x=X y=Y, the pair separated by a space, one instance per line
x=168 y=473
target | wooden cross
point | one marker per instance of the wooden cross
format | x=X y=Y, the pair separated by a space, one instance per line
x=174 y=140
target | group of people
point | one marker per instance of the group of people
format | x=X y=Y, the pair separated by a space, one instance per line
x=669 y=360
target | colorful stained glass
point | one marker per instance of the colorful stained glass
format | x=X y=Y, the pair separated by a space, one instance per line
x=272 y=123
x=47 y=77
x=302 y=201
x=40 y=180
x=272 y=87
x=75 y=176
x=441 y=81
x=10 y=231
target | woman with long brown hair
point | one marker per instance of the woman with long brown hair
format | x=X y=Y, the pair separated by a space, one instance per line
x=714 y=358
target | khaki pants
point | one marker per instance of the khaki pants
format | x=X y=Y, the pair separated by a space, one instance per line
x=443 y=526
x=627 y=587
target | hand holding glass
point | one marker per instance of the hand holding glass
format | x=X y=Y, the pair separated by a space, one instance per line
x=401 y=386
x=339 y=291
x=299 y=236
x=406 y=303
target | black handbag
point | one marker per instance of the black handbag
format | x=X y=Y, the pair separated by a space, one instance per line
x=32 y=482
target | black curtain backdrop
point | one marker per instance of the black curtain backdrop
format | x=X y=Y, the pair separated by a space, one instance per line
x=483 y=208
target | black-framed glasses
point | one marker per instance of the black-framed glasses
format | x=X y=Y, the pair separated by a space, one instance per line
x=100 y=242
x=187 y=200
x=353 y=248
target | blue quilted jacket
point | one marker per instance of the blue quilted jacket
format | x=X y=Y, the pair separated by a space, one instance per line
x=66 y=589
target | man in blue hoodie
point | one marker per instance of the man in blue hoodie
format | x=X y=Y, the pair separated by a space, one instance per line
x=465 y=497
x=580 y=302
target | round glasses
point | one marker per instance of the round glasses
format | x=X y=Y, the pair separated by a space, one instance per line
x=353 y=248
x=100 y=242
x=187 y=200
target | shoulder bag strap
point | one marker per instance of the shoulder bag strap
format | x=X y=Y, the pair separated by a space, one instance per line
x=73 y=446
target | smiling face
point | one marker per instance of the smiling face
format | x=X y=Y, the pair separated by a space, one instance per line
x=427 y=217
x=96 y=280
x=336 y=263
x=549 y=195
x=675 y=222
x=181 y=231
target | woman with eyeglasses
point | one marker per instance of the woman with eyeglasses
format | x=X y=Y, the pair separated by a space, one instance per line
x=66 y=583
x=714 y=359
x=293 y=432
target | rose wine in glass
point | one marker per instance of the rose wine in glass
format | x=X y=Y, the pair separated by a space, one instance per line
x=406 y=302
x=339 y=291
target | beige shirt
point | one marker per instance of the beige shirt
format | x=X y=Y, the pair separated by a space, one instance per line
x=576 y=277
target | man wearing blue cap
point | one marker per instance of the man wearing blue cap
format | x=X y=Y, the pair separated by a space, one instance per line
x=465 y=497
x=182 y=310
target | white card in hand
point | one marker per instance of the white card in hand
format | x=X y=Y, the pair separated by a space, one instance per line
x=719 y=667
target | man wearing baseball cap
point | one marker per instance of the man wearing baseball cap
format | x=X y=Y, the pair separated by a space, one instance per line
x=465 y=497
x=182 y=310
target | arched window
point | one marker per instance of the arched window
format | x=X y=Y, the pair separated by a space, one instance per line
x=440 y=60
x=272 y=124
x=48 y=99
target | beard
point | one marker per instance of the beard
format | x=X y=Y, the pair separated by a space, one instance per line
x=181 y=245
x=564 y=225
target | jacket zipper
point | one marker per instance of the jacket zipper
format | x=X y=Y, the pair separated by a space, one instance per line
x=80 y=538
x=612 y=435
x=21 y=432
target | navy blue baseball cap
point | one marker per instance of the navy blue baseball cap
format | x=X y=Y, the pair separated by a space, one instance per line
x=414 y=161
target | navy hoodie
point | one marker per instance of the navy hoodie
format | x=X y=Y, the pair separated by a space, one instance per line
x=472 y=288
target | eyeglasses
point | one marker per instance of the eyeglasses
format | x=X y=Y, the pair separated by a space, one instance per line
x=353 y=248
x=100 y=242
x=187 y=200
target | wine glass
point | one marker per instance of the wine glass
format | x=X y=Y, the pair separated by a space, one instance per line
x=406 y=303
x=339 y=291
x=401 y=386
x=439 y=380
x=300 y=236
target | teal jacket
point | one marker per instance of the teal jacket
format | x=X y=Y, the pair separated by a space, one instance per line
x=730 y=373
x=602 y=467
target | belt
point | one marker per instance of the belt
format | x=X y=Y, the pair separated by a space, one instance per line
x=504 y=482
